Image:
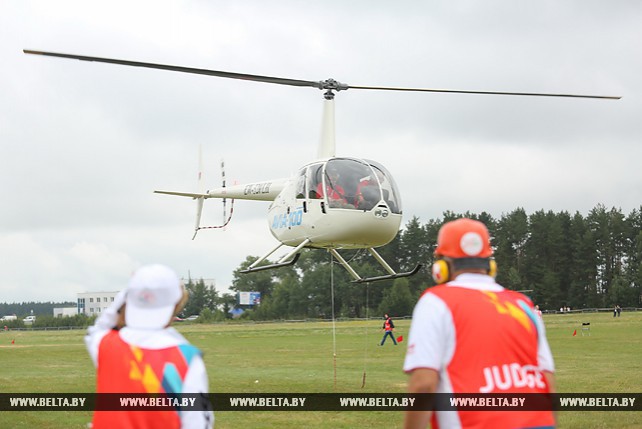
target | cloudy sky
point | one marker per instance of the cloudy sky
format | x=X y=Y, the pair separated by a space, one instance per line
x=83 y=145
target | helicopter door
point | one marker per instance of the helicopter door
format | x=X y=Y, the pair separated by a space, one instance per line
x=299 y=191
x=339 y=185
x=315 y=180
x=314 y=187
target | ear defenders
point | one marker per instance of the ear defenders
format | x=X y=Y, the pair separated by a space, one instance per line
x=442 y=270
x=492 y=268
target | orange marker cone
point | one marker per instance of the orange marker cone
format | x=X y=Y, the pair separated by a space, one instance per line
x=400 y=338
x=13 y=341
x=575 y=332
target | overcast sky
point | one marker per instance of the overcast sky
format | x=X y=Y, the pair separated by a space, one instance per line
x=83 y=145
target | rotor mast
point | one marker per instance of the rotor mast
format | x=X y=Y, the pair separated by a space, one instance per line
x=327 y=144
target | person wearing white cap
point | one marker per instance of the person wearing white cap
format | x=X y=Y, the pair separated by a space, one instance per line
x=137 y=352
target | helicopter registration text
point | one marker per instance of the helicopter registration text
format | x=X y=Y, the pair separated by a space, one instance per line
x=257 y=188
x=288 y=220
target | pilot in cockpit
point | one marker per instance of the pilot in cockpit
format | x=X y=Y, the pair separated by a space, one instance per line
x=367 y=195
x=334 y=191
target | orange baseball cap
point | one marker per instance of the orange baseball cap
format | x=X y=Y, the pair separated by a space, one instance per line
x=463 y=238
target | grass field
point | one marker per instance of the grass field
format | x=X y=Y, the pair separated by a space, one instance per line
x=298 y=357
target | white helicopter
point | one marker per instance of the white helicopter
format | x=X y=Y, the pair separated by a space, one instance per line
x=331 y=203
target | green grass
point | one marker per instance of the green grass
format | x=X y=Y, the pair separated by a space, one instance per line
x=299 y=357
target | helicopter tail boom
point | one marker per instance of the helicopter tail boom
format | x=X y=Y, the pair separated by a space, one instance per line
x=184 y=194
x=262 y=191
x=259 y=191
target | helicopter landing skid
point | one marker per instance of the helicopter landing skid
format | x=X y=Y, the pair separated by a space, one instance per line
x=269 y=267
x=288 y=259
x=358 y=279
x=390 y=276
x=292 y=257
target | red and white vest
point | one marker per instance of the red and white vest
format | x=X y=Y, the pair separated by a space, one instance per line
x=125 y=368
x=481 y=338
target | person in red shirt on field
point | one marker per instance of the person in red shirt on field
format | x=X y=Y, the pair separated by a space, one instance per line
x=389 y=328
x=469 y=335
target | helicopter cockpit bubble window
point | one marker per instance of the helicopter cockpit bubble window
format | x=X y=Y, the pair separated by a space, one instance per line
x=339 y=182
x=350 y=183
x=388 y=186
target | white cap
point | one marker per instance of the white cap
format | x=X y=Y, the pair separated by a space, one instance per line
x=152 y=295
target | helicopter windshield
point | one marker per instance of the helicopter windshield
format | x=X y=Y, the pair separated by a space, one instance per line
x=389 y=190
x=353 y=184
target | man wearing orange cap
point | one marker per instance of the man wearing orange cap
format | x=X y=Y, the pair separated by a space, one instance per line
x=470 y=335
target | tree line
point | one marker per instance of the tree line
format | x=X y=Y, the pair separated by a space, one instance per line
x=24 y=309
x=560 y=259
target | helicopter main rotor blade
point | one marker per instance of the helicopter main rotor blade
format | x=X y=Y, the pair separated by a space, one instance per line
x=229 y=75
x=457 y=91
x=328 y=84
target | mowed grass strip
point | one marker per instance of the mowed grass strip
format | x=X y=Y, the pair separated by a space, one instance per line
x=315 y=357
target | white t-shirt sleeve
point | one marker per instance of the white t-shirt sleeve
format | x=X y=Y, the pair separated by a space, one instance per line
x=104 y=323
x=196 y=381
x=431 y=339
x=544 y=355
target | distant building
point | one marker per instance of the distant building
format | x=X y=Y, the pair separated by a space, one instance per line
x=94 y=303
x=65 y=311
